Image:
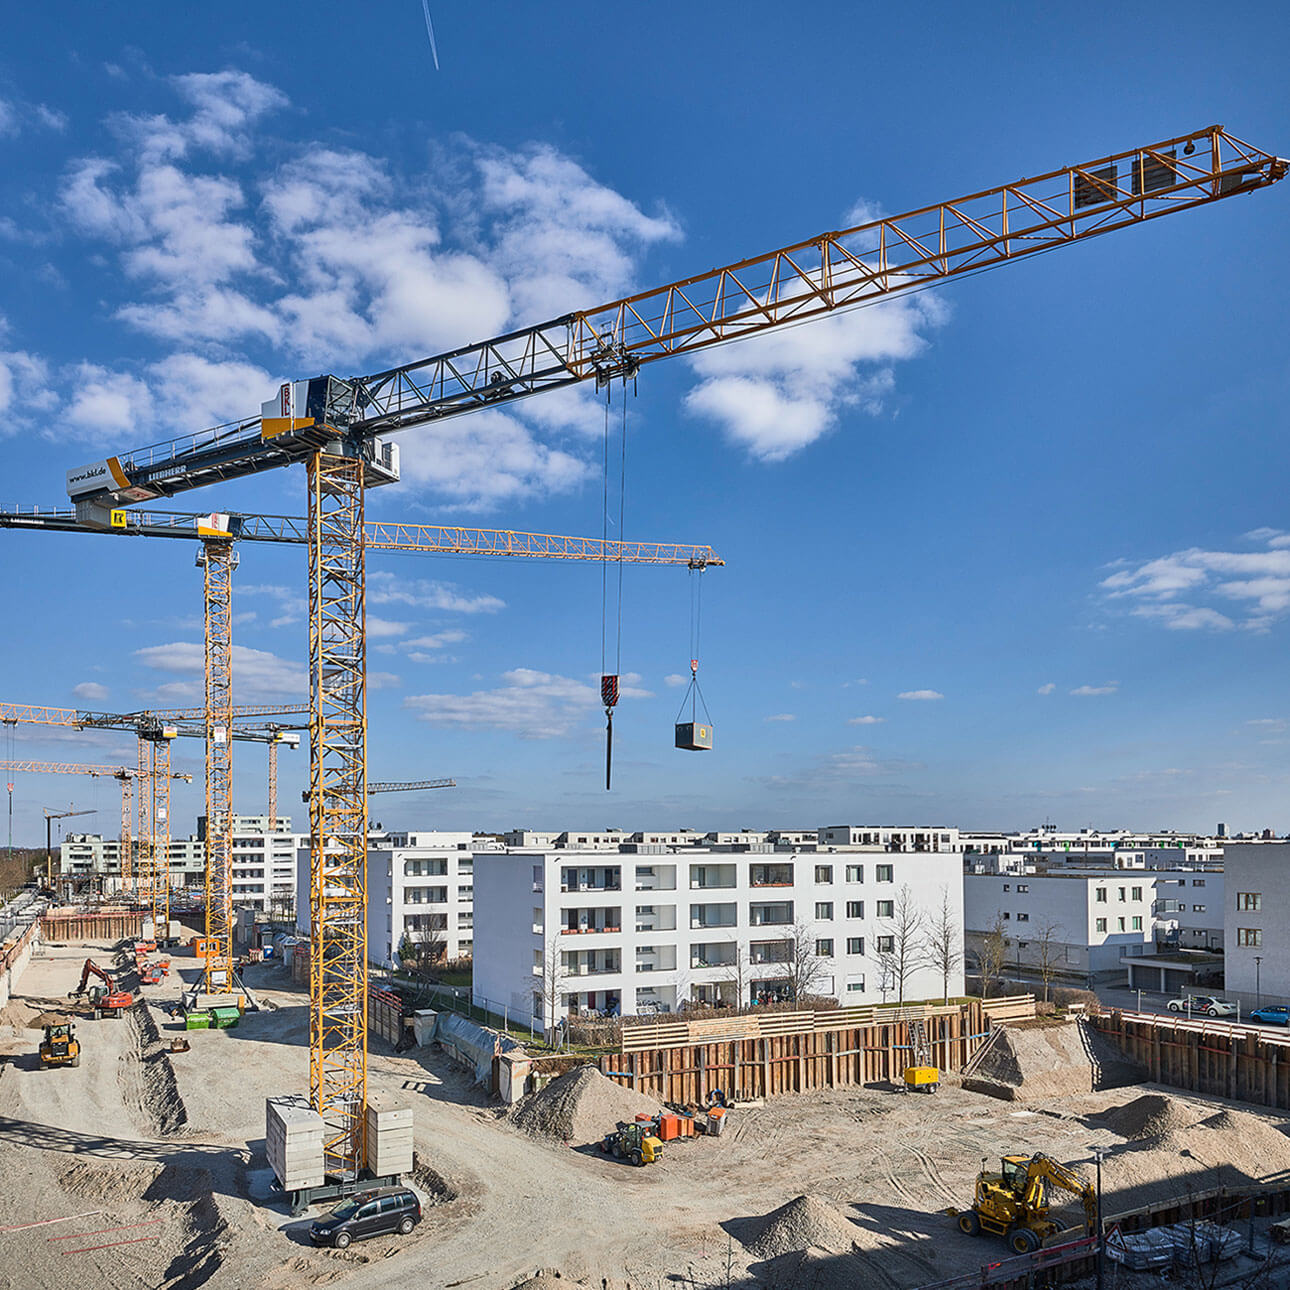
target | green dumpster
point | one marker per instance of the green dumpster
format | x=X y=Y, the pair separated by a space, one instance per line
x=197 y=1021
x=224 y=1018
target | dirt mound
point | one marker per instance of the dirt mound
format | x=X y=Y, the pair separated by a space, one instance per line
x=1154 y=1115
x=43 y=1019
x=809 y=1222
x=1037 y=1061
x=580 y=1107
x=18 y=1014
x=1255 y=1144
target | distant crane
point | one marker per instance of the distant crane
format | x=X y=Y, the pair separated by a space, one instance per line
x=336 y=428
x=391 y=787
x=50 y=817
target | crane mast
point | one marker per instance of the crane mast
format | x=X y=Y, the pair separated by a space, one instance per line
x=334 y=427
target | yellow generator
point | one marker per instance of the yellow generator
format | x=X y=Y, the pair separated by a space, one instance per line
x=60 y=1046
x=1014 y=1203
x=922 y=1079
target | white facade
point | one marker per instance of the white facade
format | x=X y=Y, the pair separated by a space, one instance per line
x=647 y=928
x=420 y=885
x=1256 y=921
x=1189 y=908
x=1090 y=920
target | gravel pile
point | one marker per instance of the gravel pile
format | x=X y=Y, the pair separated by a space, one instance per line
x=580 y=1107
x=809 y=1222
x=1254 y=1144
x=1154 y=1115
x=1042 y=1060
x=43 y=1019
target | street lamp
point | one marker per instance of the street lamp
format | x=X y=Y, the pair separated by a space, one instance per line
x=1258 y=961
x=1098 y=1153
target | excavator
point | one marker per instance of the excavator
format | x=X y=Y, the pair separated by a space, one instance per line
x=1014 y=1203
x=105 y=999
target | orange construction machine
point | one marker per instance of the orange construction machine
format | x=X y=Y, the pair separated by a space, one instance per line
x=105 y=999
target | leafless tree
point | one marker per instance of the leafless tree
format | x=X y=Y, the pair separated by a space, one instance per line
x=900 y=948
x=424 y=943
x=738 y=975
x=990 y=959
x=945 y=941
x=552 y=982
x=1048 y=950
x=803 y=968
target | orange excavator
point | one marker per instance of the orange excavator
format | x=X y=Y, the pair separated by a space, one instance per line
x=105 y=999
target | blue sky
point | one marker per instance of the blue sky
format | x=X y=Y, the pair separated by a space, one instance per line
x=1009 y=551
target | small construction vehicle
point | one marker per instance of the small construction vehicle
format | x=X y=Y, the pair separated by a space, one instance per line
x=60 y=1046
x=1014 y=1203
x=633 y=1141
x=106 y=999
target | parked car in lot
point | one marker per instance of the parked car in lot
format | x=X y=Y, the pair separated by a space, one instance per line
x=1273 y=1015
x=1202 y=1005
x=368 y=1213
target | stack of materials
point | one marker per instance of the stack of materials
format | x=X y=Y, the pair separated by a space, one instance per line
x=293 y=1134
x=389 y=1136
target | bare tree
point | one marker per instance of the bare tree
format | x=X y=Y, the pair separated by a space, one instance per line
x=990 y=959
x=803 y=968
x=945 y=941
x=552 y=981
x=424 y=943
x=738 y=975
x=1048 y=952
x=900 y=948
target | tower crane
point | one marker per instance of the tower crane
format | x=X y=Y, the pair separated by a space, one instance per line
x=335 y=427
x=50 y=817
x=410 y=785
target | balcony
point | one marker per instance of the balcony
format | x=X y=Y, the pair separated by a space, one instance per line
x=592 y=963
x=760 y=952
x=590 y=921
x=771 y=914
x=708 y=955
x=592 y=878
x=771 y=875
x=656 y=958
x=656 y=918
x=723 y=915
x=656 y=877
x=707 y=876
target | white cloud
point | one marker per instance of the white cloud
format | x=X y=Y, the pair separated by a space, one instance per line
x=381 y=628
x=438 y=640
x=674 y=679
x=865 y=721
x=1256 y=582
x=846 y=685
x=532 y=704
x=1047 y=688
x=1111 y=687
x=838 y=768
x=384 y=588
x=257 y=674
x=1268 y=725
x=15 y=117
x=783 y=716
x=383 y=681
x=91 y=691
x=920 y=695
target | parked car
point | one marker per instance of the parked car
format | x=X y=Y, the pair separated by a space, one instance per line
x=368 y=1213
x=1203 y=1005
x=1273 y=1015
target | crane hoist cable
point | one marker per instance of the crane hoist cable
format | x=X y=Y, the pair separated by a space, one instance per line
x=609 y=681
x=694 y=735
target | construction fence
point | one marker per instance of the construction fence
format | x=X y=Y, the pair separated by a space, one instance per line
x=1220 y=1059
x=105 y=926
x=763 y=1055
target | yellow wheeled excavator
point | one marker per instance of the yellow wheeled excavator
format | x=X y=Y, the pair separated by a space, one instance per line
x=1014 y=1203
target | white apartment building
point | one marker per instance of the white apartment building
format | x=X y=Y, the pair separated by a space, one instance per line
x=1257 y=954
x=420 y=886
x=90 y=860
x=649 y=928
x=1089 y=920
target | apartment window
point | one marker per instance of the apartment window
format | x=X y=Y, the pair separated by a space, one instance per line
x=1023 y=918
x=886 y=945
x=855 y=873
x=823 y=909
x=1007 y=886
x=1119 y=924
x=1121 y=891
x=883 y=873
x=886 y=909
x=1137 y=923
x=1101 y=924
x=855 y=985
x=855 y=944
x=824 y=949
x=823 y=873
x=1198 y=882
x=1006 y=914
x=1137 y=893
x=1023 y=887
x=1198 y=909
x=1249 y=900
x=1251 y=937
x=1101 y=895
x=855 y=908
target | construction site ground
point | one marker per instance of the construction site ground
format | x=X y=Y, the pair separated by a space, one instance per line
x=153 y=1165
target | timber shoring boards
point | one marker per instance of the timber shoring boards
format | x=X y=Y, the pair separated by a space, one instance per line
x=1219 y=1059
x=91 y=927
x=762 y=1055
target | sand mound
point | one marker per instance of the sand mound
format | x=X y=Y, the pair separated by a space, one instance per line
x=1154 y=1115
x=809 y=1222
x=18 y=1014
x=1039 y=1060
x=43 y=1019
x=580 y=1107
x=1254 y=1144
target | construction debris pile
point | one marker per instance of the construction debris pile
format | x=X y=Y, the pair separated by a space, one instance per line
x=580 y=1107
x=807 y=1222
x=1043 y=1059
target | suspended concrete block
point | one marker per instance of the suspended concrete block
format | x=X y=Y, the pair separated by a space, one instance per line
x=694 y=736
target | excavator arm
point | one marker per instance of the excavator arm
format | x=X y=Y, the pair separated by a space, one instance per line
x=92 y=969
x=1046 y=1172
